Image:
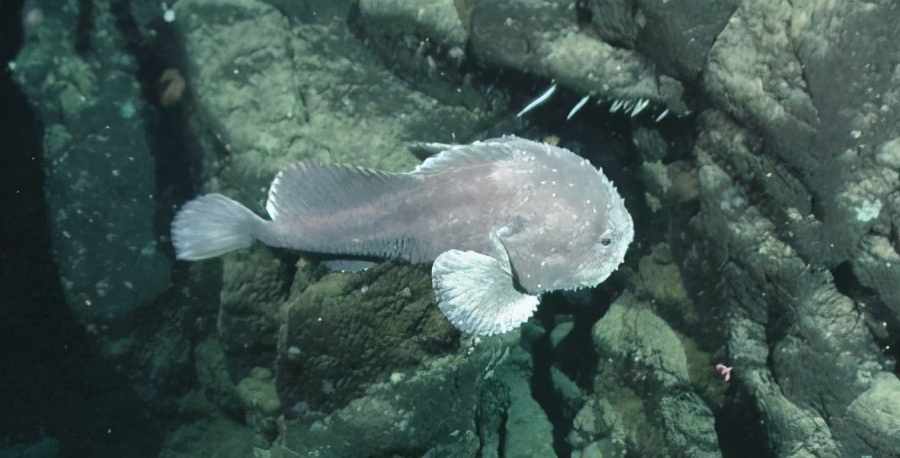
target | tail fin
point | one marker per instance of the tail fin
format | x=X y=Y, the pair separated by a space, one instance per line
x=212 y=225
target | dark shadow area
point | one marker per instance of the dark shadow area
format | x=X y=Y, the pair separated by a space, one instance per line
x=54 y=384
x=872 y=311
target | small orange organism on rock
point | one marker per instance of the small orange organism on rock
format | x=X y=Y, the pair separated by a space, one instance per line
x=171 y=87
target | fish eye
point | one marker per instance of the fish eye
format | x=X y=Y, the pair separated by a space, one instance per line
x=605 y=241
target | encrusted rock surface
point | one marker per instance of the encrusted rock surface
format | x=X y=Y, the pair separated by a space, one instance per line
x=763 y=174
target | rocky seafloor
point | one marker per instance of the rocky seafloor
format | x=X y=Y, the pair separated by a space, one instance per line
x=756 y=144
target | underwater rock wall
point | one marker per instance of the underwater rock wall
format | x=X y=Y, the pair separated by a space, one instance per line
x=759 y=306
x=100 y=187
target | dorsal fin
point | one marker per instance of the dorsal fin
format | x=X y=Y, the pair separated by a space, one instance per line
x=306 y=189
x=463 y=155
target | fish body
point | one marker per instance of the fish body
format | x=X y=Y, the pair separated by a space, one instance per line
x=502 y=221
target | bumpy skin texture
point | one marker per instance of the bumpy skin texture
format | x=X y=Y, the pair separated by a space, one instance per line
x=502 y=220
x=564 y=225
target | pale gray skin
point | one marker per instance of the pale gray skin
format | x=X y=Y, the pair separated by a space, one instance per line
x=502 y=221
x=559 y=220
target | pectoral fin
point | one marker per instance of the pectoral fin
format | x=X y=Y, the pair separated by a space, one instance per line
x=476 y=293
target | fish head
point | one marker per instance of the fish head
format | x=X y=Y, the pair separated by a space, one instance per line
x=573 y=229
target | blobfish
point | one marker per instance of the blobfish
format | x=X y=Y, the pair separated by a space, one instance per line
x=502 y=221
